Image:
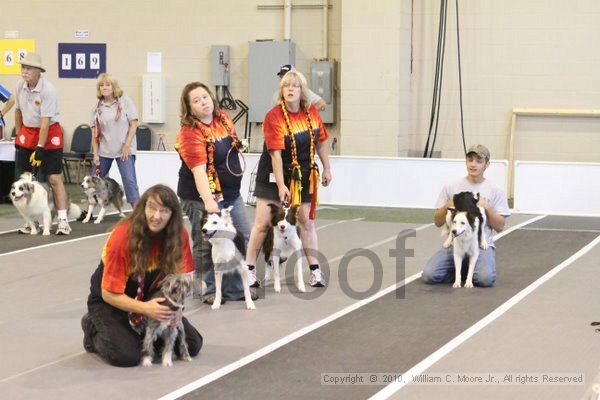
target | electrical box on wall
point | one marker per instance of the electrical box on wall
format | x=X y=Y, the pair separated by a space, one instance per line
x=323 y=83
x=219 y=65
x=264 y=60
x=154 y=108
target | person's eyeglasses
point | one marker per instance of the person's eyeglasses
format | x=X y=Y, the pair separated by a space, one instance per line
x=163 y=211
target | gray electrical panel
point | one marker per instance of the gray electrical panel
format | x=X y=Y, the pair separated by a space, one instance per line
x=323 y=83
x=219 y=65
x=264 y=60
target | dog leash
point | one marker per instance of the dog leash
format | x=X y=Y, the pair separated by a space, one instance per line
x=241 y=155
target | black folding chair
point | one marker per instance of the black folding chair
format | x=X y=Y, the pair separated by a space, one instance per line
x=143 y=136
x=80 y=153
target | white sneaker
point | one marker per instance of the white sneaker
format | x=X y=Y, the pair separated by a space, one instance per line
x=63 y=227
x=316 y=278
x=26 y=229
x=252 y=281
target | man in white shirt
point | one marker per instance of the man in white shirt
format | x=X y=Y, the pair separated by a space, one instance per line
x=314 y=98
x=39 y=141
x=440 y=267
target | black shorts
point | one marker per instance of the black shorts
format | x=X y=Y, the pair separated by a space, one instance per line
x=51 y=161
x=269 y=191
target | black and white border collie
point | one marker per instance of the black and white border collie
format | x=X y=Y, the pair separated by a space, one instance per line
x=464 y=229
x=281 y=242
x=228 y=248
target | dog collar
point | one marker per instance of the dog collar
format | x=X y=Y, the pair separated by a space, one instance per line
x=174 y=305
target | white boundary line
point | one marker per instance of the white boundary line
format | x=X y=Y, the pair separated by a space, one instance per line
x=339 y=222
x=518 y=226
x=488 y=319
x=54 y=244
x=41 y=366
x=562 y=230
x=107 y=233
x=196 y=310
x=294 y=335
x=71 y=220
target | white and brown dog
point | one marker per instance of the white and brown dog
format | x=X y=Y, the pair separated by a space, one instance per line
x=227 y=248
x=101 y=191
x=35 y=202
x=282 y=242
x=464 y=229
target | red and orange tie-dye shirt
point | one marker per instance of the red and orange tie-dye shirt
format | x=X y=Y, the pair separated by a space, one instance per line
x=116 y=259
x=275 y=129
x=191 y=143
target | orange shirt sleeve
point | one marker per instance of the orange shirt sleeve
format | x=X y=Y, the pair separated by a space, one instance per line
x=191 y=146
x=187 y=262
x=115 y=257
x=274 y=130
x=315 y=116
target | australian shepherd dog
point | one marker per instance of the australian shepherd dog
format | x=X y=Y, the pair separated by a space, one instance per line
x=35 y=202
x=101 y=191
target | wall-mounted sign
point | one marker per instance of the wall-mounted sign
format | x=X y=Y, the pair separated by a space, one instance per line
x=81 y=60
x=82 y=33
x=13 y=51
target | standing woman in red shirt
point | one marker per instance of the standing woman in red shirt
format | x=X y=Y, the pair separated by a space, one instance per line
x=209 y=179
x=287 y=171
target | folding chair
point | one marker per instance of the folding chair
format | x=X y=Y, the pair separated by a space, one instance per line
x=80 y=153
x=143 y=135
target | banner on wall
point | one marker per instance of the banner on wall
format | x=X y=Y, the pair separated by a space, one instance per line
x=81 y=60
x=12 y=51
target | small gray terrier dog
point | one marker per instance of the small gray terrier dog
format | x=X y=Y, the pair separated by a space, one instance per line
x=174 y=288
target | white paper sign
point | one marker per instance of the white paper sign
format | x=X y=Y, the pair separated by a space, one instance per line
x=80 y=61
x=154 y=62
x=9 y=58
x=94 y=61
x=22 y=53
x=82 y=33
x=11 y=34
x=66 y=61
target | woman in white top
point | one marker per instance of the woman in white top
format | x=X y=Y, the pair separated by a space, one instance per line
x=114 y=122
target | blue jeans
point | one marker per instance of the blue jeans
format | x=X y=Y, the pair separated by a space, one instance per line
x=127 y=171
x=440 y=267
x=232 y=287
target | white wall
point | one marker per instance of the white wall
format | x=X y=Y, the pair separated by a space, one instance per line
x=357 y=181
x=375 y=77
x=557 y=188
x=515 y=53
x=182 y=30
